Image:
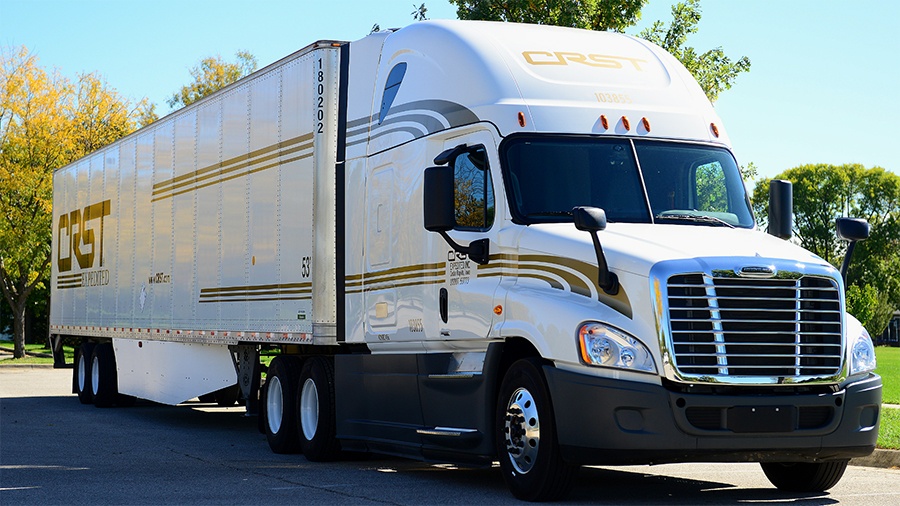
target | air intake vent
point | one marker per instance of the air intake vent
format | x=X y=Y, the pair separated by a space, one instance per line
x=735 y=327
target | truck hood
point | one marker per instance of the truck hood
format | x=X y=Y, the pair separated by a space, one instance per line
x=637 y=247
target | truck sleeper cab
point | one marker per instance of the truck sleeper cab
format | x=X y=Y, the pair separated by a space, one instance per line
x=468 y=242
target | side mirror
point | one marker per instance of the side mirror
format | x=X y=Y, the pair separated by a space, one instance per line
x=853 y=230
x=589 y=219
x=440 y=215
x=593 y=220
x=781 y=212
x=440 y=212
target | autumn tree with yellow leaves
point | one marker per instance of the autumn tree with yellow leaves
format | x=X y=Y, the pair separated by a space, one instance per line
x=46 y=122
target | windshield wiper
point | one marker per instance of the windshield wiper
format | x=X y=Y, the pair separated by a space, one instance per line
x=695 y=218
x=538 y=214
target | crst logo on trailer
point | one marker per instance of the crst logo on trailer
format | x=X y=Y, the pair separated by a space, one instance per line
x=592 y=60
x=79 y=234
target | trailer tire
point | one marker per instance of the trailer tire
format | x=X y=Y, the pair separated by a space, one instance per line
x=805 y=476
x=281 y=386
x=228 y=396
x=81 y=373
x=315 y=410
x=526 y=439
x=261 y=421
x=104 y=381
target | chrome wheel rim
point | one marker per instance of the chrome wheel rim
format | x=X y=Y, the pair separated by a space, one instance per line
x=522 y=430
x=274 y=404
x=309 y=409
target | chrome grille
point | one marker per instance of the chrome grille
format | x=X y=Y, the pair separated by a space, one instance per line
x=726 y=326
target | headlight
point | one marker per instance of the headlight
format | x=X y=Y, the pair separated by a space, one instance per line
x=606 y=346
x=862 y=354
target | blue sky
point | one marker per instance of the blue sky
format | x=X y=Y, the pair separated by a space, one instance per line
x=824 y=86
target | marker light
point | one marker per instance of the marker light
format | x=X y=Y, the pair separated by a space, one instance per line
x=604 y=122
x=646 y=124
x=498 y=309
x=606 y=346
x=626 y=123
x=715 y=129
x=521 y=119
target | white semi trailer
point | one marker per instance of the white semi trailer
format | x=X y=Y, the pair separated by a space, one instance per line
x=467 y=242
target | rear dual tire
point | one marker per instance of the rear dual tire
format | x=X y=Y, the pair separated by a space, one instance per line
x=298 y=414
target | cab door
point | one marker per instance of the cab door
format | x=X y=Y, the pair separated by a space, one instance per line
x=462 y=306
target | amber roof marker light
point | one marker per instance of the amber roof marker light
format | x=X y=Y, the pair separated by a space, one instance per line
x=521 y=116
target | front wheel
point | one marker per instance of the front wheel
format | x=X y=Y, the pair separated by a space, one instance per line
x=804 y=476
x=525 y=430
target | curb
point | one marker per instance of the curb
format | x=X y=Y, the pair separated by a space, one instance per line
x=889 y=459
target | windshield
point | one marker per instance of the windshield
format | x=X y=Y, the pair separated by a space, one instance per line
x=667 y=182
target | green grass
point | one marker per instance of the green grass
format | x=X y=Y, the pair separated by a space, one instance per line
x=889 y=369
x=36 y=348
x=889 y=433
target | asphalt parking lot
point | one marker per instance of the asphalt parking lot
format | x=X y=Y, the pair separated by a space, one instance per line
x=53 y=450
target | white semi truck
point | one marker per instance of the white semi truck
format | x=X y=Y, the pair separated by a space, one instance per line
x=466 y=242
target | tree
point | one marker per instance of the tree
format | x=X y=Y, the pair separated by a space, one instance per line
x=211 y=75
x=713 y=70
x=823 y=193
x=613 y=15
x=46 y=121
x=419 y=12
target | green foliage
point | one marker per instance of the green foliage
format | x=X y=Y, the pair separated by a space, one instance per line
x=714 y=71
x=46 y=121
x=419 y=12
x=211 y=75
x=825 y=192
x=613 y=15
x=749 y=172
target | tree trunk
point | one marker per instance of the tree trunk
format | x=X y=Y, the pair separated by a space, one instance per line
x=19 y=330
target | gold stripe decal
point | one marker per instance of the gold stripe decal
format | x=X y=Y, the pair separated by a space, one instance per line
x=580 y=277
x=411 y=275
x=259 y=160
x=257 y=293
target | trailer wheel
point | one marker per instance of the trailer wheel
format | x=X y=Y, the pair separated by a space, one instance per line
x=526 y=438
x=315 y=410
x=281 y=386
x=805 y=476
x=81 y=374
x=103 y=376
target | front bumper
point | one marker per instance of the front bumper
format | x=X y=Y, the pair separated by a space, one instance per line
x=605 y=421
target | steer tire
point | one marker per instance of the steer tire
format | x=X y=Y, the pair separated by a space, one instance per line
x=526 y=439
x=805 y=476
